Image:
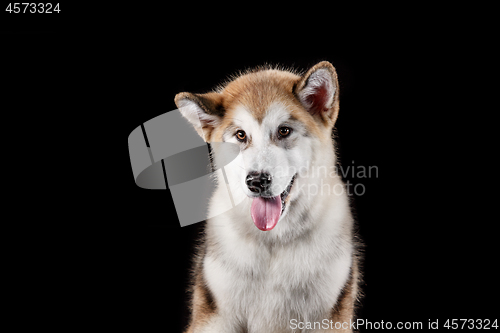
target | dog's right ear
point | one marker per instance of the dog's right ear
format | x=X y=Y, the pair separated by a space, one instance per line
x=317 y=90
x=203 y=111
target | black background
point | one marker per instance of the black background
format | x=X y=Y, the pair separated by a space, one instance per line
x=94 y=246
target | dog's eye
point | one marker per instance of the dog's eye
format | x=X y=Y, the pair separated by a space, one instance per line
x=284 y=131
x=241 y=135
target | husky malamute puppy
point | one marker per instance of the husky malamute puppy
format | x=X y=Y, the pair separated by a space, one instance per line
x=284 y=259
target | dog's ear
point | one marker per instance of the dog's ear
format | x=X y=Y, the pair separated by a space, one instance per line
x=318 y=91
x=203 y=111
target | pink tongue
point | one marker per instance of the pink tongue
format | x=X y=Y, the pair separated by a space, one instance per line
x=266 y=212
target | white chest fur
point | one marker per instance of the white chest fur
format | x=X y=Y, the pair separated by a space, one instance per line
x=263 y=287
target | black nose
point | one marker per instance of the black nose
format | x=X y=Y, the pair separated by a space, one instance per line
x=258 y=182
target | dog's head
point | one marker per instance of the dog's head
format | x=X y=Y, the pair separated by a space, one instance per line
x=280 y=120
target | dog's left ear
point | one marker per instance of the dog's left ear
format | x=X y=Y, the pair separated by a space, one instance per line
x=203 y=111
x=317 y=90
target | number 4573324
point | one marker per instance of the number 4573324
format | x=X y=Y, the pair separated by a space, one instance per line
x=29 y=7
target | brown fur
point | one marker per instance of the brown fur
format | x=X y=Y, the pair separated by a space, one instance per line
x=344 y=310
x=257 y=91
x=203 y=304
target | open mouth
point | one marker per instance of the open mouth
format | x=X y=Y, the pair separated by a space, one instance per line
x=285 y=194
x=266 y=211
